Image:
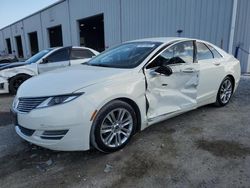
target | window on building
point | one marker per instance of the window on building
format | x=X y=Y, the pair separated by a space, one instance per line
x=19 y=46
x=8 y=46
x=33 y=43
x=55 y=36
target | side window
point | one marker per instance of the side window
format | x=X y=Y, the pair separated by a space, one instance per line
x=81 y=54
x=215 y=52
x=203 y=52
x=182 y=52
x=59 y=55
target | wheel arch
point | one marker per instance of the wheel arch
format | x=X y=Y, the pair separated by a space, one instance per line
x=19 y=74
x=233 y=79
x=129 y=101
x=135 y=107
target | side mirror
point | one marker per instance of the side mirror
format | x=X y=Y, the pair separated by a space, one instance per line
x=44 y=61
x=166 y=70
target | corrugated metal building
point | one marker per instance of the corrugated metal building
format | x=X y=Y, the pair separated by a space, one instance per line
x=101 y=24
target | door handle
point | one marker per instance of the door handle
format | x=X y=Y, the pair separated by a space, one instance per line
x=189 y=70
x=217 y=63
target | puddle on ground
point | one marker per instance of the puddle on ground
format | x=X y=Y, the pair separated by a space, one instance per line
x=223 y=148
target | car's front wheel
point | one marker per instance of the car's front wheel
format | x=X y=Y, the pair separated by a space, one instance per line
x=15 y=82
x=225 y=92
x=113 y=126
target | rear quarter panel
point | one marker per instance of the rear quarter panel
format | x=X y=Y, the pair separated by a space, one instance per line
x=232 y=67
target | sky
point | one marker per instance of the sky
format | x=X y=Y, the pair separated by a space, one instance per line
x=14 y=10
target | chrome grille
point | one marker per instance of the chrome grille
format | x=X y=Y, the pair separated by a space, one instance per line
x=28 y=104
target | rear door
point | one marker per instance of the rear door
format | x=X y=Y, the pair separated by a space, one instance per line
x=168 y=95
x=211 y=72
x=57 y=59
x=79 y=55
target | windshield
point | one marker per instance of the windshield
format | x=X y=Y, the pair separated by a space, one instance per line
x=38 y=56
x=128 y=55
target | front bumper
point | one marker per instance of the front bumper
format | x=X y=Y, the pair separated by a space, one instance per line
x=4 y=85
x=63 y=127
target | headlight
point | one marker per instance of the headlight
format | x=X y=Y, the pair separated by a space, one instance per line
x=15 y=103
x=55 y=100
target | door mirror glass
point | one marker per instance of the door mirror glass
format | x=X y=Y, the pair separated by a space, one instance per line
x=165 y=70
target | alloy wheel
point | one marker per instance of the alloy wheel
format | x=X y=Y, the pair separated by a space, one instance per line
x=116 y=127
x=226 y=91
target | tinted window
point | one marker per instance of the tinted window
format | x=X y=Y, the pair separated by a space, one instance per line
x=128 y=55
x=215 y=52
x=203 y=52
x=81 y=54
x=59 y=55
x=182 y=52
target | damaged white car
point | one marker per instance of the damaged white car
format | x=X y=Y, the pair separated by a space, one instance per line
x=12 y=75
x=104 y=102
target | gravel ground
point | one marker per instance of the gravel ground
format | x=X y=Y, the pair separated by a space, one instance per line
x=207 y=147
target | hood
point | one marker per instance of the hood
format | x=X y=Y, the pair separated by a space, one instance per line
x=12 y=65
x=67 y=80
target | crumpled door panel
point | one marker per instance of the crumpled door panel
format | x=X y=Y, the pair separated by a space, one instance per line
x=170 y=94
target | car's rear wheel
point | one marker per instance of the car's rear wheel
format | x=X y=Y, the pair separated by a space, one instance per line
x=225 y=92
x=114 y=126
x=16 y=81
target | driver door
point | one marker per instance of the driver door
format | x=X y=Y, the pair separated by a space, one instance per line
x=57 y=59
x=168 y=95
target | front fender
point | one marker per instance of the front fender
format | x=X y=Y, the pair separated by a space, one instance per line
x=9 y=73
x=132 y=88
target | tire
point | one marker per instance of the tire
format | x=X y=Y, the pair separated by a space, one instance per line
x=113 y=126
x=16 y=81
x=225 y=92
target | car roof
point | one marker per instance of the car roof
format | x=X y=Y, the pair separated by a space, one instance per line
x=167 y=40
x=162 y=39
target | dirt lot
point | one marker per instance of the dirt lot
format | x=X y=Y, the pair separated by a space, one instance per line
x=208 y=147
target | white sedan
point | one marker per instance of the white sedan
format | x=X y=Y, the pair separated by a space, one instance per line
x=122 y=91
x=12 y=75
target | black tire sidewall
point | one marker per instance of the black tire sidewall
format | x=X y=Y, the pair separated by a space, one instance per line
x=218 y=100
x=12 y=89
x=99 y=119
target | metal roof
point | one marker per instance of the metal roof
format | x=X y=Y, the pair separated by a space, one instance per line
x=39 y=11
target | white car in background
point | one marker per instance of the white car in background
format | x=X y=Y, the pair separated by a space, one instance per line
x=124 y=90
x=12 y=75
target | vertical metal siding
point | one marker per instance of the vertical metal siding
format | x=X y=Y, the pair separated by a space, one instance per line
x=242 y=36
x=205 y=19
x=33 y=24
x=80 y=9
x=2 y=47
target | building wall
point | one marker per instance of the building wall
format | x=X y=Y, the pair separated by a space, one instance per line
x=80 y=9
x=132 y=19
x=33 y=24
x=54 y=16
x=7 y=34
x=2 y=47
x=242 y=35
x=17 y=29
x=208 y=19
